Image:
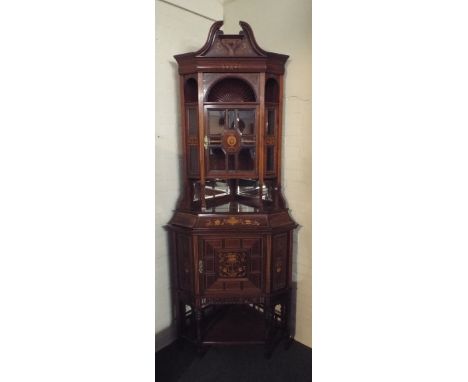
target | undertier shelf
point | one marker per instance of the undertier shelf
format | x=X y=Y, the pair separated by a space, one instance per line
x=230 y=324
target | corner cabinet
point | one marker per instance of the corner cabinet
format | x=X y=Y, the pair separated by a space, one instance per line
x=231 y=233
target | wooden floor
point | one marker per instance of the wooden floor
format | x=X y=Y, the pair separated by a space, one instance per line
x=234 y=363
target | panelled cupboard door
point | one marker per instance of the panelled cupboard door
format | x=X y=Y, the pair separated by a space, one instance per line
x=231 y=141
x=232 y=264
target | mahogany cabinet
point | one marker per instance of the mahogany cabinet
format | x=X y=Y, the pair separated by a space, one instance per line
x=231 y=232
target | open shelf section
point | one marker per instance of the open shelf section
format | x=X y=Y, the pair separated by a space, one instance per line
x=230 y=324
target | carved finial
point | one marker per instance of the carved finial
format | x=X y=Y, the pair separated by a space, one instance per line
x=219 y=44
x=214 y=30
x=250 y=35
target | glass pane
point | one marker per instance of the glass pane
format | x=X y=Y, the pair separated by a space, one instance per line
x=192 y=122
x=246 y=159
x=271 y=122
x=196 y=190
x=217 y=159
x=193 y=160
x=246 y=121
x=267 y=192
x=216 y=121
x=248 y=187
x=215 y=189
x=234 y=207
x=232 y=119
x=231 y=162
x=270 y=159
x=222 y=186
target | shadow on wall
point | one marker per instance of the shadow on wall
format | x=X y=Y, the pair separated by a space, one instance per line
x=167 y=335
x=294 y=282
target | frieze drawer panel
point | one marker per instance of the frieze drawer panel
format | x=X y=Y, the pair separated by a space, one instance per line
x=231 y=265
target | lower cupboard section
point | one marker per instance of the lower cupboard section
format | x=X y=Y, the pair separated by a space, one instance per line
x=231 y=324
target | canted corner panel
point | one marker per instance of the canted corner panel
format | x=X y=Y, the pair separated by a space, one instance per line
x=238 y=221
x=280 y=249
x=184 y=262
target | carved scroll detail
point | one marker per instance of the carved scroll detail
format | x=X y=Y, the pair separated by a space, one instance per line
x=232 y=220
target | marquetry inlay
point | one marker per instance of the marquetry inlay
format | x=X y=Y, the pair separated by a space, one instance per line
x=232 y=264
x=231 y=142
x=232 y=220
x=269 y=140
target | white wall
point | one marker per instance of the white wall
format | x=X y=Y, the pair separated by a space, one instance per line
x=285 y=27
x=207 y=8
x=177 y=31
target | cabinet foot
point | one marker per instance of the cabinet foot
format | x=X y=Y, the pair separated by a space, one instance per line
x=288 y=342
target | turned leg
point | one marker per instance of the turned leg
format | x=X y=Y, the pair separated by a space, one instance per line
x=287 y=327
x=180 y=323
x=198 y=322
x=268 y=329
